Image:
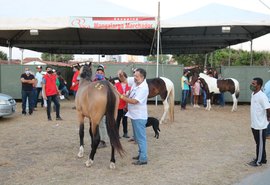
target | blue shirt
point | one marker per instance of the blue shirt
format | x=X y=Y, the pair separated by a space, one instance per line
x=184 y=84
x=266 y=89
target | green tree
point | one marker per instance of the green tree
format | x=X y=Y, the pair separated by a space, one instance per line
x=189 y=59
x=3 y=56
x=56 y=57
x=163 y=59
x=221 y=57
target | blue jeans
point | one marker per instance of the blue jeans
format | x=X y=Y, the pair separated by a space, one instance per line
x=64 y=91
x=34 y=97
x=53 y=98
x=29 y=95
x=140 y=137
x=184 y=98
x=221 y=99
x=268 y=130
x=204 y=98
x=39 y=90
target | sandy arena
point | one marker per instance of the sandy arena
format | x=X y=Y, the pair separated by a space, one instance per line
x=199 y=148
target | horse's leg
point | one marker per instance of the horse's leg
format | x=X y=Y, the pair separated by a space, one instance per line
x=234 y=102
x=81 y=134
x=94 y=144
x=112 y=163
x=166 y=108
x=208 y=105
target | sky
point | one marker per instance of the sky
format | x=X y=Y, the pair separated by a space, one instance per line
x=168 y=9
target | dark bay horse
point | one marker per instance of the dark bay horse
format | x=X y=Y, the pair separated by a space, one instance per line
x=215 y=86
x=94 y=100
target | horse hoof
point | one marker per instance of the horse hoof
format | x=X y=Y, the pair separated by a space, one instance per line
x=80 y=155
x=89 y=163
x=112 y=165
x=81 y=151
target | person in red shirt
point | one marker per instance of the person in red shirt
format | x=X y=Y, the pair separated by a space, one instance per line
x=75 y=80
x=50 y=93
x=123 y=88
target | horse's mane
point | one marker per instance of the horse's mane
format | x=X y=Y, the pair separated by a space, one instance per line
x=86 y=72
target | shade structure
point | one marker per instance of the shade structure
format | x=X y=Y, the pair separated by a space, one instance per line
x=199 y=31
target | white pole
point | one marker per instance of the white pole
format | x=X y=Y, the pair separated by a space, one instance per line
x=205 y=60
x=9 y=54
x=251 y=52
x=158 y=34
x=230 y=53
x=22 y=56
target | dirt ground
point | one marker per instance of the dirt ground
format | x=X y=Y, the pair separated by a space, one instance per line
x=200 y=147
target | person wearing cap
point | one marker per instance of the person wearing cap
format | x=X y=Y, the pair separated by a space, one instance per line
x=185 y=89
x=100 y=75
x=50 y=93
x=39 y=76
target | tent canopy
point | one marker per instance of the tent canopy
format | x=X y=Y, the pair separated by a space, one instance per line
x=199 y=31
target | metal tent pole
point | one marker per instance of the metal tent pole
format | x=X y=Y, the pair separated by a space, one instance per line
x=158 y=38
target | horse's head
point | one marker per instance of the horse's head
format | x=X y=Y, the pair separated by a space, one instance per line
x=194 y=77
x=86 y=72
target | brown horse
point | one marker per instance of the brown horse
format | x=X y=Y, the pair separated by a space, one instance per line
x=216 y=86
x=165 y=88
x=94 y=100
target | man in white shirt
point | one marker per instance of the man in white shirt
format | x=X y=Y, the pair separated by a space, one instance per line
x=137 y=112
x=260 y=114
x=39 y=76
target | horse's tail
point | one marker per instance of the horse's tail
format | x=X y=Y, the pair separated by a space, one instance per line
x=171 y=99
x=110 y=119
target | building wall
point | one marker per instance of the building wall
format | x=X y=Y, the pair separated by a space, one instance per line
x=10 y=76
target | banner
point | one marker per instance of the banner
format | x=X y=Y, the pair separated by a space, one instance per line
x=113 y=23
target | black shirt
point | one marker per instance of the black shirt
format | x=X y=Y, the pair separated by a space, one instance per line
x=27 y=86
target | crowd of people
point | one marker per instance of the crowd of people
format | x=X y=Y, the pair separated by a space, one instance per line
x=50 y=85
x=44 y=87
x=259 y=108
x=195 y=92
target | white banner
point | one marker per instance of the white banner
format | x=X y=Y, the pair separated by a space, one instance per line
x=113 y=23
